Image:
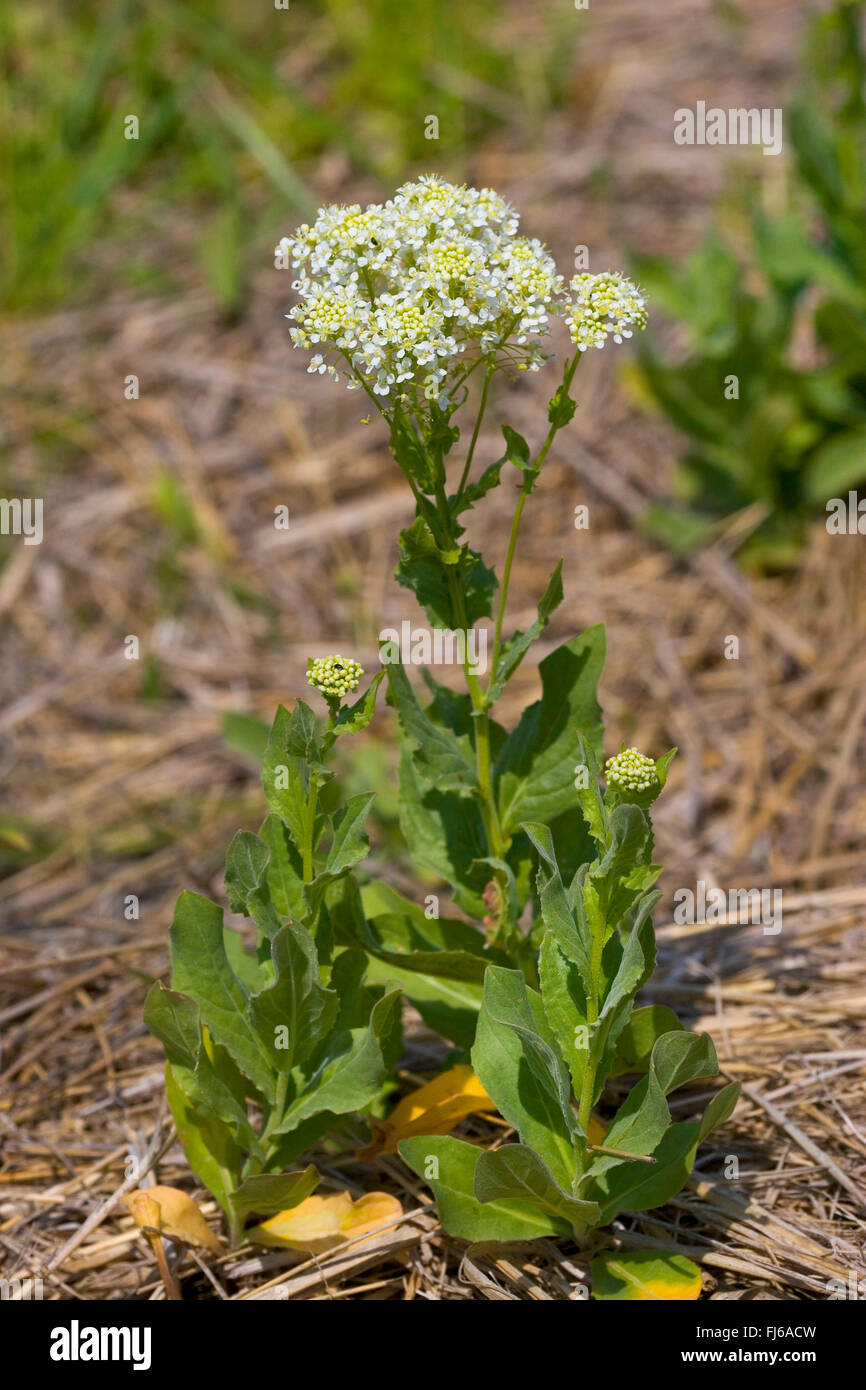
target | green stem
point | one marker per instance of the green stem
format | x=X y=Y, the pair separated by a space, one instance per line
x=309 y=829
x=528 y=483
x=479 y=417
x=589 y=1075
x=483 y=762
x=276 y=1112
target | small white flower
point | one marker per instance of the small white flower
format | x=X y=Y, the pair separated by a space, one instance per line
x=438 y=274
x=604 y=305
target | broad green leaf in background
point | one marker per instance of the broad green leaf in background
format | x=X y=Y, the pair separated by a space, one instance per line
x=444 y=831
x=837 y=465
x=438 y=961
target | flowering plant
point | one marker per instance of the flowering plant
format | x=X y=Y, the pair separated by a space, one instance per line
x=406 y=301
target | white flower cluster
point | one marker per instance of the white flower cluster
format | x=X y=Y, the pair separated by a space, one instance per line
x=334 y=676
x=403 y=297
x=631 y=770
x=414 y=289
x=606 y=304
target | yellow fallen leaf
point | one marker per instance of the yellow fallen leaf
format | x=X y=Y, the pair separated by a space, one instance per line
x=172 y=1214
x=644 y=1276
x=433 y=1109
x=322 y=1223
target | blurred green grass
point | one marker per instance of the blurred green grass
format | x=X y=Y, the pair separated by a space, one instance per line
x=235 y=103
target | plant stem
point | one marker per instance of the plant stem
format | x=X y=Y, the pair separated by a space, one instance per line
x=309 y=828
x=528 y=483
x=489 y=813
x=588 y=1088
x=479 y=417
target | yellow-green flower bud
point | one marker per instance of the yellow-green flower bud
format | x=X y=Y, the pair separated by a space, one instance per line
x=631 y=770
x=334 y=676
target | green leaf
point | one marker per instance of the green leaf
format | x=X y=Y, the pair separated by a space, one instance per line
x=636 y=960
x=438 y=578
x=617 y=875
x=243 y=963
x=475 y=492
x=516 y=447
x=269 y=1192
x=635 y=1043
x=839 y=464
x=517 y=1062
x=439 y=962
x=720 y=1108
x=514 y=650
x=350 y=843
x=639 y=1186
x=351 y=1071
x=285 y=873
x=246 y=733
x=563 y=993
x=516 y=1173
x=679 y=1057
x=642 y=1186
x=295 y=1012
x=449 y=1165
x=441 y=759
x=285 y=775
x=175 y=1020
x=561 y=408
x=590 y=798
x=645 y=1276
x=409 y=451
x=352 y=718
x=200 y=969
x=445 y=834
x=246 y=862
x=349 y=846
x=208 y=1143
x=535 y=768
x=569 y=928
